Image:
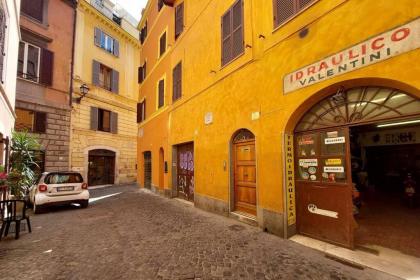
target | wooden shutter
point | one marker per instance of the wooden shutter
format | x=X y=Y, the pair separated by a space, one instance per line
x=116 y=48
x=114 y=122
x=177 y=82
x=46 y=69
x=226 y=37
x=179 y=19
x=140 y=75
x=95 y=72
x=143 y=110
x=144 y=70
x=139 y=112
x=284 y=9
x=161 y=93
x=40 y=122
x=160 y=5
x=162 y=44
x=97 y=37
x=94 y=118
x=237 y=29
x=303 y=3
x=115 y=81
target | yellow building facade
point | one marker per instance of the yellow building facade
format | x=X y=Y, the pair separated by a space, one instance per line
x=245 y=99
x=104 y=131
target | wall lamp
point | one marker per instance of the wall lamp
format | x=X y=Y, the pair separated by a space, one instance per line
x=84 y=90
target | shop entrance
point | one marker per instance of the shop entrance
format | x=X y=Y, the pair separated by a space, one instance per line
x=384 y=162
x=101 y=167
x=325 y=153
x=185 y=171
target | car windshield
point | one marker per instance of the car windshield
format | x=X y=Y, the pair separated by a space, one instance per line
x=63 y=178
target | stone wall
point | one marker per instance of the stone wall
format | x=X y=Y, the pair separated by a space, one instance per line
x=55 y=142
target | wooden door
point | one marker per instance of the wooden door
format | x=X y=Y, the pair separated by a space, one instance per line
x=185 y=170
x=324 y=186
x=147 y=170
x=245 y=193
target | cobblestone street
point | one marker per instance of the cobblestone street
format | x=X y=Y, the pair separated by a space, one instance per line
x=138 y=235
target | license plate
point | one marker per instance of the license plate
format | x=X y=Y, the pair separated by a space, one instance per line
x=65 y=189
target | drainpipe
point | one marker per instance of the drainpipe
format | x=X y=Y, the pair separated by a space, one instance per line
x=72 y=52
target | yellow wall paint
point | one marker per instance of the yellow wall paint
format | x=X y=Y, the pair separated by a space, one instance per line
x=123 y=103
x=254 y=82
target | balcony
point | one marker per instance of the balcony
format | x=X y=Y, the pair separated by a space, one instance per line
x=109 y=13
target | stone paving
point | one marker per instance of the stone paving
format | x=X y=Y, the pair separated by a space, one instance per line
x=138 y=235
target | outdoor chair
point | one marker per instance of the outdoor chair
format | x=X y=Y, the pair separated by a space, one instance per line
x=10 y=213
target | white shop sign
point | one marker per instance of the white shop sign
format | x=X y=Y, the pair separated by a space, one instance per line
x=335 y=140
x=308 y=162
x=333 y=169
x=376 y=49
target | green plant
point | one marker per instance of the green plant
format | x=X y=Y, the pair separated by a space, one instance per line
x=3 y=176
x=21 y=175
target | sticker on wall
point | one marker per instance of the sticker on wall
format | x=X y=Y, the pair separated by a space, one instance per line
x=308 y=162
x=306 y=140
x=315 y=210
x=313 y=177
x=305 y=175
x=333 y=161
x=334 y=169
x=325 y=175
x=335 y=140
x=208 y=118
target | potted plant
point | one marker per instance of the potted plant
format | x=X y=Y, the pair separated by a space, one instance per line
x=3 y=182
x=21 y=176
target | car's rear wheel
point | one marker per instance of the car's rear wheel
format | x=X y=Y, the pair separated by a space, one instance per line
x=84 y=203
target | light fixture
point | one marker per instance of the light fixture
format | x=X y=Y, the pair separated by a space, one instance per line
x=84 y=90
x=398 y=123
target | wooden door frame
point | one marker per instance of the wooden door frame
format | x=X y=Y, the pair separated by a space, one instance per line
x=232 y=171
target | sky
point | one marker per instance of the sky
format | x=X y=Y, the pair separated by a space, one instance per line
x=134 y=7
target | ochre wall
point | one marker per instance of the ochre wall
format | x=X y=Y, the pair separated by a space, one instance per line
x=254 y=82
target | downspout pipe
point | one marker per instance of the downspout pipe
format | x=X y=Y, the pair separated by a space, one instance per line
x=72 y=52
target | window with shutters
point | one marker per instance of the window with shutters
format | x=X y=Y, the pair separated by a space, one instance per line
x=179 y=20
x=160 y=5
x=141 y=111
x=105 y=77
x=284 y=10
x=233 y=33
x=104 y=120
x=106 y=42
x=29 y=61
x=31 y=121
x=162 y=44
x=177 y=82
x=161 y=93
x=142 y=73
x=33 y=9
x=143 y=33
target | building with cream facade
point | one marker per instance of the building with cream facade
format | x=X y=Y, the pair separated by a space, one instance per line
x=103 y=125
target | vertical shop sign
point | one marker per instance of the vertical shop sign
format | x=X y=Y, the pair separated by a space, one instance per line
x=290 y=181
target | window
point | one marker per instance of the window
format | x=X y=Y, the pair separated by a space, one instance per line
x=33 y=8
x=63 y=178
x=286 y=9
x=179 y=20
x=105 y=77
x=161 y=93
x=160 y=5
x=35 y=64
x=106 y=42
x=141 y=111
x=232 y=33
x=30 y=121
x=143 y=33
x=177 y=82
x=162 y=44
x=103 y=120
x=142 y=73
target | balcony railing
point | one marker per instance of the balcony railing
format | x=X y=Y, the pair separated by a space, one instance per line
x=99 y=5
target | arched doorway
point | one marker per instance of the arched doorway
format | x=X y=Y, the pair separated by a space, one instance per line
x=332 y=161
x=101 y=167
x=244 y=172
x=161 y=168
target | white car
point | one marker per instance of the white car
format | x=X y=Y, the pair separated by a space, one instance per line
x=59 y=188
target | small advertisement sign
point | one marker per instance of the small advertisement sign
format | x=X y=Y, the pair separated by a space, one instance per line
x=333 y=161
x=333 y=169
x=308 y=162
x=335 y=140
